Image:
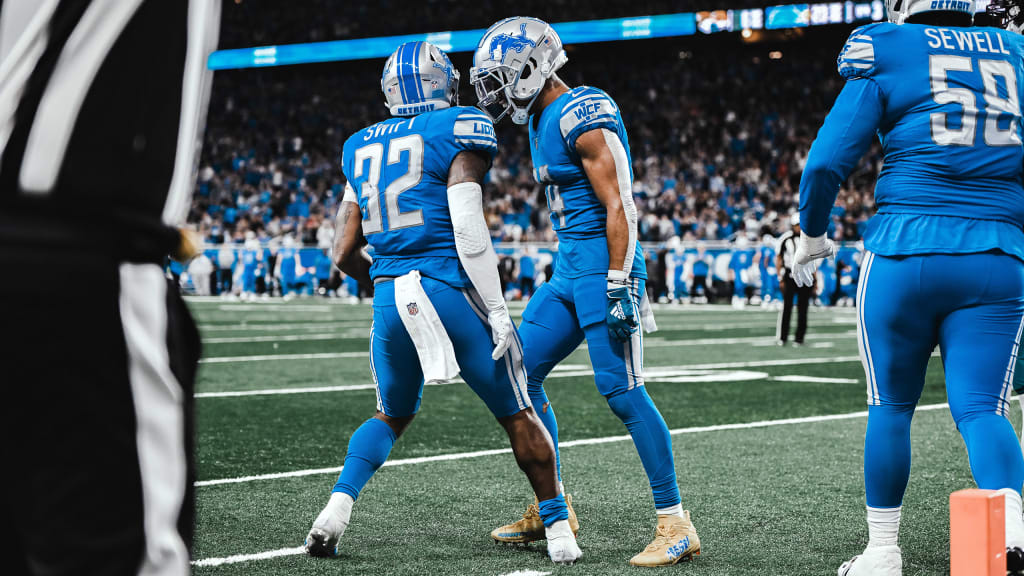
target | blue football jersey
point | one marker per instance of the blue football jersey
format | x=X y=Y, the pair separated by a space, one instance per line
x=945 y=103
x=397 y=170
x=577 y=215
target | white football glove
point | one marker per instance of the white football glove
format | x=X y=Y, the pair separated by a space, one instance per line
x=501 y=330
x=810 y=251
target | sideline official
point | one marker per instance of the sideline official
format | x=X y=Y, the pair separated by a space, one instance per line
x=784 y=263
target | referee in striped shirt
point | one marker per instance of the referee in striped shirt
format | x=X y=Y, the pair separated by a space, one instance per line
x=102 y=104
x=784 y=263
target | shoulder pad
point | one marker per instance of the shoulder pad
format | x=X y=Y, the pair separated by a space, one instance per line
x=587 y=109
x=857 y=58
x=473 y=130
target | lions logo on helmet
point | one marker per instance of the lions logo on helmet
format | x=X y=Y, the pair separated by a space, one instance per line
x=512 y=62
x=418 y=77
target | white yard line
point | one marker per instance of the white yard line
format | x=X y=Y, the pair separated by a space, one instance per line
x=569 y=444
x=815 y=379
x=460 y=456
x=561 y=371
x=649 y=343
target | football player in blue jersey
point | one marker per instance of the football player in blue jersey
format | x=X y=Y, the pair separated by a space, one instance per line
x=944 y=260
x=580 y=152
x=414 y=195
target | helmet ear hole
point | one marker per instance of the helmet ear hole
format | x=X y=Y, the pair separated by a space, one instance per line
x=528 y=69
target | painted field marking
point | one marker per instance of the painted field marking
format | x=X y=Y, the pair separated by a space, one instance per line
x=460 y=456
x=657 y=374
x=649 y=343
x=568 y=444
x=815 y=379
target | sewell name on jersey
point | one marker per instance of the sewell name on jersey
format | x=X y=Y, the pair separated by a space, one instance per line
x=973 y=40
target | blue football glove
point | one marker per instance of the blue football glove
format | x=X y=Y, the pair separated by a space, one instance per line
x=621 y=315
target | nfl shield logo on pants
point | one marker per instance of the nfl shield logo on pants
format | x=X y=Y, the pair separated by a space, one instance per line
x=413 y=308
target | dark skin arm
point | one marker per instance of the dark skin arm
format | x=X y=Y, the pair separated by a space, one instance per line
x=468 y=166
x=349 y=242
x=599 y=165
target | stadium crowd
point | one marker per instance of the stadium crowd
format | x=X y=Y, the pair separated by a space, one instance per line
x=718 y=141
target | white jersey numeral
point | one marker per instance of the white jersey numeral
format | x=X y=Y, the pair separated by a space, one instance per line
x=555 y=203
x=373 y=222
x=942 y=93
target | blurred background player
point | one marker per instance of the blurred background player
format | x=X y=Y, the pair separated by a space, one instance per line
x=414 y=194
x=944 y=260
x=99 y=438
x=790 y=289
x=580 y=150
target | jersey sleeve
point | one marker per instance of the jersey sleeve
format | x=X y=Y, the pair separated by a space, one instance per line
x=857 y=58
x=473 y=130
x=591 y=109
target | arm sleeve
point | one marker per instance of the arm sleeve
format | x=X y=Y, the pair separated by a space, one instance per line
x=848 y=131
x=473 y=242
x=590 y=110
x=473 y=130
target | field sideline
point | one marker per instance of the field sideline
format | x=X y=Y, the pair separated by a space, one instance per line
x=768 y=443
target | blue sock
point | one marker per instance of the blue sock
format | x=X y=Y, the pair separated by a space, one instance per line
x=994 y=451
x=652 y=440
x=553 y=510
x=887 y=454
x=546 y=412
x=367 y=450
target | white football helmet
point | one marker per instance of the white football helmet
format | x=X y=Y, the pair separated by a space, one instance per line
x=511 y=64
x=418 y=77
x=898 y=11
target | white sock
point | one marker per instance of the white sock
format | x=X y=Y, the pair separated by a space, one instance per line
x=338 y=509
x=558 y=529
x=676 y=510
x=561 y=487
x=1014 y=518
x=883 y=526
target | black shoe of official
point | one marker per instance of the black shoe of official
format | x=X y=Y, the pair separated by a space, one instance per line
x=1014 y=562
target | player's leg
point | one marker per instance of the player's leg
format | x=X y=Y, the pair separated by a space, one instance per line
x=785 y=314
x=618 y=373
x=803 y=298
x=501 y=385
x=980 y=344
x=396 y=372
x=549 y=333
x=896 y=336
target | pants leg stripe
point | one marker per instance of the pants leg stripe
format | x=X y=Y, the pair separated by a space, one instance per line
x=160 y=418
x=1011 y=368
x=373 y=372
x=864 y=346
x=513 y=356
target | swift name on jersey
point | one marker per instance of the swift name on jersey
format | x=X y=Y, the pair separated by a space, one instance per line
x=397 y=171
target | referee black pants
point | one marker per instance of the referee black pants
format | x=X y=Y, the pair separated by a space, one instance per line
x=803 y=299
x=97 y=424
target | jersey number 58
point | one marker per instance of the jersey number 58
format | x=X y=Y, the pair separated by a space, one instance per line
x=991 y=70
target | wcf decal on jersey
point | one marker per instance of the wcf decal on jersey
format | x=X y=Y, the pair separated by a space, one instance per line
x=586 y=110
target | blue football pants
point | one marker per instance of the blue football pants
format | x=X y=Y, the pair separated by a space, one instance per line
x=972 y=307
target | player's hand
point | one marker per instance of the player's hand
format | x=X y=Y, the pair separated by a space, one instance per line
x=621 y=316
x=501 y=331
x=810 y=251
x=189 y=245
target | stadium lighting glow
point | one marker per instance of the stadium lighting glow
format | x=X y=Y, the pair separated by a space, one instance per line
x=632 y=28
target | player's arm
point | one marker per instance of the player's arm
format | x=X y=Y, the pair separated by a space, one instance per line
x=606 y=164
x=848 y=131
x=473 y=242
x=348 y=252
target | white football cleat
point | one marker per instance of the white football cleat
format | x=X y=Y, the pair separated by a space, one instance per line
x=329 y=526
x=875 y=561
x=562 y=546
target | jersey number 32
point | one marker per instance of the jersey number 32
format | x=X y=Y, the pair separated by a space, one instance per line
x=370 y=188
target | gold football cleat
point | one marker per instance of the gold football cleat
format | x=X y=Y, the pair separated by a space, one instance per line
x=676 y=539
x=530 y=528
